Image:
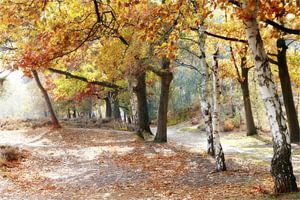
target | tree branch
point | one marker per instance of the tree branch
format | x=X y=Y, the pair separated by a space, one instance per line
x=99 y=20
x=100 y=83
x=189 y=39
x=235 y=2
x=189 y=51
x=226 y=38
x=282 y=28
x=187 y=65
x=272 y=61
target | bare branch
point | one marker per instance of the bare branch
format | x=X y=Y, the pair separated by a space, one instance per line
x=190 y=52
x=226 y=38
x=187 y=65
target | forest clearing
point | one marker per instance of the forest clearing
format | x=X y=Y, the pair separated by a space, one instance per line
x=149 y=99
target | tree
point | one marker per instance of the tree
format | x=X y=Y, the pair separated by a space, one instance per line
x=218 y=150
x=143 y=114
x=281 y=166
x=243 y=80
x=108 y=110
x=54 y=120
x=287 y=92
x=204 y=102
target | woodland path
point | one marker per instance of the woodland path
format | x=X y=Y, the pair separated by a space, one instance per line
x=74 y=163
x=236 y=145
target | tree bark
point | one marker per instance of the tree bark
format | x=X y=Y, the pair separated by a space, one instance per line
x=219 y=154
x=142 y=105
x=166 y=79
x=251 y=129
x=287 y=92
x=281 y=166
x=74 y=112
x=54 y=120
x=204 y=102
x=133 y=104
x=116 y=109
x=108 y=110
x=69 y=113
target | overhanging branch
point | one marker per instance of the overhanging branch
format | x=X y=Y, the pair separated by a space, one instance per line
x=81 y=78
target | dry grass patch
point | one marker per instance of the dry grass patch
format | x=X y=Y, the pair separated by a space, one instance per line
x=10 y=154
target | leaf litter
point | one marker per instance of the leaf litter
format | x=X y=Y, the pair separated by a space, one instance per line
x=76 y=163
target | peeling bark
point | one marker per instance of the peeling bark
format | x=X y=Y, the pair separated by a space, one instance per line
x=281 y=166
x=204 y=102
x=219 y=154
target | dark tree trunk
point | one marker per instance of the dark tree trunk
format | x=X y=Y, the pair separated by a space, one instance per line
x=54 y=120
x=90 y=111
x=287 y=93
x=251 y=129
x=129 y=120
x=74 y=112
x=142 y=105
x=116 y=109
x=108 y=111
x=166 y=79
x=69 y=113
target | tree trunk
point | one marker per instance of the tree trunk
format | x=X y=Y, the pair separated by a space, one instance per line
x=116 y=109
x=251 y=129
x=166 y=79
x=287 y=93
x=108 y=110
x=100 y=110
x=219 y=154
x=204 y=102
x=281 y=166
x=129 y=120
x=133 y=105
x=142 y=105
x=90 y=109
x=74 y=112
x=54 y=120
x=69 y=113
x=74 y=109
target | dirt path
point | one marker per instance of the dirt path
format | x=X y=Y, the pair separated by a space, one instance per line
x=236 y=145
x=97 y=164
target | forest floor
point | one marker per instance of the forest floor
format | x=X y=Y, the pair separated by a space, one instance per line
x=77 y=163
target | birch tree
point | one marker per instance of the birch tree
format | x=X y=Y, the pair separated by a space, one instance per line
x=204 y=102
x=281 y=166
x=219 y=154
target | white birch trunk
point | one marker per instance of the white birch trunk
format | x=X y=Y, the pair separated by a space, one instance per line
x=219 y=154
x=281 y=166
x=204 y=102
